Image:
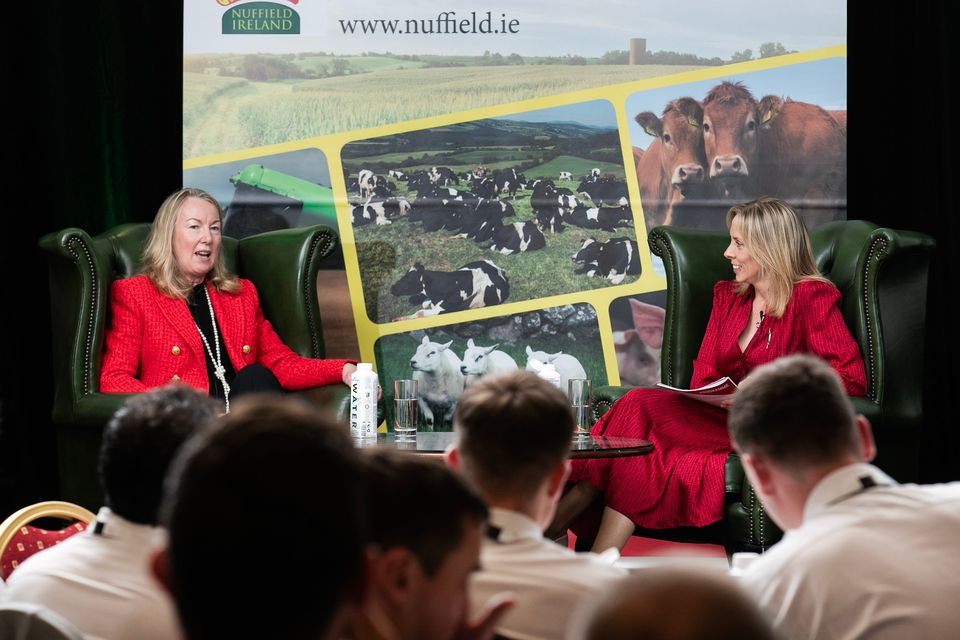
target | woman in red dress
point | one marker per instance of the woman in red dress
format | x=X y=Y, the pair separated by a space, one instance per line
x=777 y=304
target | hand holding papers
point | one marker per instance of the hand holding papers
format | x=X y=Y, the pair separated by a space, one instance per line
x=718 y=393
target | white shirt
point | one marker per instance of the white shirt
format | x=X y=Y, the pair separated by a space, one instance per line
x=867 y=562
x=548 y=580
x=101 y=583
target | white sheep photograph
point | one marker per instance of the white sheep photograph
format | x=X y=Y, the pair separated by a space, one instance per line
x=446 y=360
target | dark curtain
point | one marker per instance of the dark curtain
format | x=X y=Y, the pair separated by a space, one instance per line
x=97 y=97
x=901 y=149
x=97 y=125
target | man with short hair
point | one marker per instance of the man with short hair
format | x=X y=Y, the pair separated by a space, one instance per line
x=862 y=556
x=515 y=432
x=100 y=579
x=673 y=603
x=267 y=531
x=426 y=525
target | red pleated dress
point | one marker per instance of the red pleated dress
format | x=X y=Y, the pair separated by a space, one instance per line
x=681 y=483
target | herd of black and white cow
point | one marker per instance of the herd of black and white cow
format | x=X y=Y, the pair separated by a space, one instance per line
x=474 y=206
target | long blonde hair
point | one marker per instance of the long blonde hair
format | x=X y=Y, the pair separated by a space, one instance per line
x=159 y=263
x=776 y=238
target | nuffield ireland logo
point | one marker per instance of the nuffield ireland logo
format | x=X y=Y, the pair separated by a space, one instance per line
x=260 y=18
x=227 y=3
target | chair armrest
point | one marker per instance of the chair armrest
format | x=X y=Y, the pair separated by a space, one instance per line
x=96 y=409
x=336 y=398
x=895 y=267
x=604 y=397
x=734 y=479
x=283 y=266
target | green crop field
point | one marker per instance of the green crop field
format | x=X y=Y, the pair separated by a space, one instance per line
x=363 y=64
x=252 y=114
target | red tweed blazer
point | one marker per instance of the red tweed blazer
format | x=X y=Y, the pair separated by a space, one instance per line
x=152 y=340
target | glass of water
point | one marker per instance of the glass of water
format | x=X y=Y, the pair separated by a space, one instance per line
x=405 y=409
x=580 y=393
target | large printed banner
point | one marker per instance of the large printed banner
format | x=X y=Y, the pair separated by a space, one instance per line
x=493 y=171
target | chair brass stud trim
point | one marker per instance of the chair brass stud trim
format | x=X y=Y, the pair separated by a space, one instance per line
x=878 y=247
x=600 y=407
x=658 y=243
x=71 y=245
x=313 y=254
x=320 y=246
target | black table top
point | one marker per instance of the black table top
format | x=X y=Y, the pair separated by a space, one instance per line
x=433 y=444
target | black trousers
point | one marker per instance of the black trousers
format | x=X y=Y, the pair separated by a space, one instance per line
x=254 y=378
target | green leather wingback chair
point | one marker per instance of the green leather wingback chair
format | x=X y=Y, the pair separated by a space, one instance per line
x=882 y=275
x=282 y=264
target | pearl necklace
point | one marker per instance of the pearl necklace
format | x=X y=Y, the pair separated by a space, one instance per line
x=218 y=369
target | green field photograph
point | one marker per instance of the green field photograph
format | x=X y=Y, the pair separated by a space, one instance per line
x=447 y=359
x=418 y=198
x=239 y=101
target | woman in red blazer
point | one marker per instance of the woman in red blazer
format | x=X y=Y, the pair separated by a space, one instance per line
x=187 y=319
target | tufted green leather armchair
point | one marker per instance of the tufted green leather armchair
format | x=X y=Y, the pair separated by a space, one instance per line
x=882 y=276
x=282 y=264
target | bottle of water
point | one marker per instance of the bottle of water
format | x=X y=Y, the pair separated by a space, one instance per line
x=549 y=373
x=363 y=402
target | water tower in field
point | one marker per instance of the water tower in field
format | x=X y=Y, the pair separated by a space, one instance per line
x=638 y=47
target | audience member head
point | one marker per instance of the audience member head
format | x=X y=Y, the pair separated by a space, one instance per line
x=776 y=239
x=670 y=603
x=514 y=440
x=267 y=532
x=140 y=442
x=426 y=524
x=793 y=423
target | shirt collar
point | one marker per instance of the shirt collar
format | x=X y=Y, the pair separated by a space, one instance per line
x=513 y=526
x=842 y=483
x=110 y=525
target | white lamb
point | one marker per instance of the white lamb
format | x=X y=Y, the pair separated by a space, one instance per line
x=483 y=361
x=439 y=382
x=566 y=365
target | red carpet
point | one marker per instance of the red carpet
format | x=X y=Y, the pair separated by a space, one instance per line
x=638 y=546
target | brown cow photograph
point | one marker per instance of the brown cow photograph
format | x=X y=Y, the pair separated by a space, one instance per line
x=701 y=147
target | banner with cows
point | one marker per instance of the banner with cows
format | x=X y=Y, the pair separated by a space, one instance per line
x=493 y=172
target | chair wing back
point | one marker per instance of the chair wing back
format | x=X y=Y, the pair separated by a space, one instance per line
x=283 y=265
x=80 y=273
x=881 y=274
x=694 y=262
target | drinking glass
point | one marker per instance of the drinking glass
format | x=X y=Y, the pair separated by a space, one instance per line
x=405 y=409
x=580 y=393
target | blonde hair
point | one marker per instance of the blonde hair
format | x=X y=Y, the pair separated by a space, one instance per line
x=776 y=238
x=159 y=263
